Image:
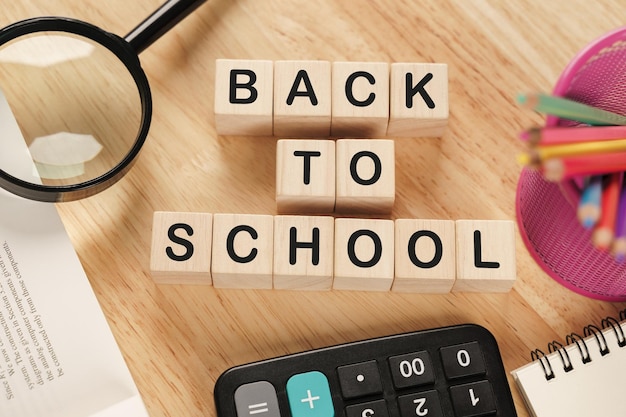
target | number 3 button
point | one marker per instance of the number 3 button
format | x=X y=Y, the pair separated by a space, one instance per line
x=411 y=369
x=371 y=409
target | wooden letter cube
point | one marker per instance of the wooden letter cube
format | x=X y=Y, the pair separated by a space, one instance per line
x=425 y=256
x=364 y=254
x=365 y=176
x=419 y=100
x=243 y=251
x=244 y=93
x=181 y=248
x=305 y=176
x=303 y=252
x=485 y=255
x=302 y=99
x=360 y=106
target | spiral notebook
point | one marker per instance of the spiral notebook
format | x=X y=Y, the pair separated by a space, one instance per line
x=583 y=377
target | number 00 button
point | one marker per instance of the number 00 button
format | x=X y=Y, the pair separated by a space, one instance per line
x=411 y=369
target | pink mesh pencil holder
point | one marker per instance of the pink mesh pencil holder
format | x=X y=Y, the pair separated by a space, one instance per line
x=546 y=211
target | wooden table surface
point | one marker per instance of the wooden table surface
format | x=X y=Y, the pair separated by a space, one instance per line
x=178 y=339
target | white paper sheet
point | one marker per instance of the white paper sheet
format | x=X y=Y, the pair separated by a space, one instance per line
x=58 y=357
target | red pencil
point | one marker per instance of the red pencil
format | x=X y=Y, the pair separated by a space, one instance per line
x=563 y=135
x=557 y=169
x=605 y=228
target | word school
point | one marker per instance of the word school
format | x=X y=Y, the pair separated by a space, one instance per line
x=256 y=251
x=296 y=99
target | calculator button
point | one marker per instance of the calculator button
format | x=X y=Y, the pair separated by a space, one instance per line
x=370 y=409
x=473 y=400
x=359 y=379
x=257 y=399
x=412 y=369
x=462 y=360
x=423 y=404
x=309 y=395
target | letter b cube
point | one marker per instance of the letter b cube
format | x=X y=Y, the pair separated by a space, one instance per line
x=244 y=97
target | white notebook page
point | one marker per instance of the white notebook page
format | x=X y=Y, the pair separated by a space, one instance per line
x=592 y=389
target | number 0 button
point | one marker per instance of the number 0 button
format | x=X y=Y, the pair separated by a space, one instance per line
x=411 y=370
x=462 y=360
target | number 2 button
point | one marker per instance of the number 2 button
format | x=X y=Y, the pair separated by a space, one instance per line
x=423 y=404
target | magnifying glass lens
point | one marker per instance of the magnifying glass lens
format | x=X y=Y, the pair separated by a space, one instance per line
x=70 y=110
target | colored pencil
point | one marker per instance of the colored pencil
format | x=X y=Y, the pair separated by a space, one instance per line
x=595 y=153
x=589 y=206
x=558 y=169
x=619 y=244
x=538 y=153
x=569 y=109
x=604 y=231
x=562 y=135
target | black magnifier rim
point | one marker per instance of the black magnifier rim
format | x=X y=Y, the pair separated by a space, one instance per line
x=129 y=58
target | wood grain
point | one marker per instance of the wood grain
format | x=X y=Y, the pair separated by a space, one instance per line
x=178 y=339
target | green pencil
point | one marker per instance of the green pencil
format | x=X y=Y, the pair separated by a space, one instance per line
x=571 y=110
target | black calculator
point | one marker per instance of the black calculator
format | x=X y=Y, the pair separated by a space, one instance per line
x=443 y=372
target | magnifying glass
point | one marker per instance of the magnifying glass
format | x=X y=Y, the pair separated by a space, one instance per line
x=75 y=104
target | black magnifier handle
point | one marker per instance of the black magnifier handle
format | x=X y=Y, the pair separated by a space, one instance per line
x=159 y=22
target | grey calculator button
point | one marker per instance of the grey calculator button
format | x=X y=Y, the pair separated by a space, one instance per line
x=256 y=399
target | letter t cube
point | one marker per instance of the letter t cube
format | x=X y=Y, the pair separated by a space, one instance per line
x=305 y=176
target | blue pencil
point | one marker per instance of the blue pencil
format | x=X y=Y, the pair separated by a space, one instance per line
x=589 y=206
x=619 y=244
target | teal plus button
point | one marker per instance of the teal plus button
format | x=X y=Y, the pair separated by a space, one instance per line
x=309 y=395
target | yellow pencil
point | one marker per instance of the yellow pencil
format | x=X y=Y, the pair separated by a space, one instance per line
x=539 y=153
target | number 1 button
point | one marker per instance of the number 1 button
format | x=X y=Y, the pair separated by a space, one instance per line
x=474 y=399
x=309 y=395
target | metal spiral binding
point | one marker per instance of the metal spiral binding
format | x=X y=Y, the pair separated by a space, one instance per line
x=581 y=343
x=538 y=354
x=578 y=339
x=555 y=346
x=597 y=333
x=619 y=332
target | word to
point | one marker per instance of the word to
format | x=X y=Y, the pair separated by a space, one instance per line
x=299 y=99
x=347 y=176
x=322 y=253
